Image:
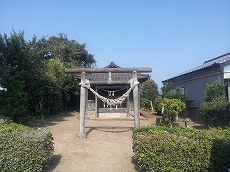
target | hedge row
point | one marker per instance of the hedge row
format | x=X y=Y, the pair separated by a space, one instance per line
x=164 y=149
x=23 y=148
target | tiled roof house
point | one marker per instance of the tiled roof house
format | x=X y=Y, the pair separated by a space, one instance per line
x=194 y=81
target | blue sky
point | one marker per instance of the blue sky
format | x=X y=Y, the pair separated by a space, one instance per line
x=170 y=36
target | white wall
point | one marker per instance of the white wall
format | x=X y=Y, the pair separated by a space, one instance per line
x=227 y=72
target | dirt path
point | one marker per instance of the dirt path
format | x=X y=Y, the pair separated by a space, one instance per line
x=108 y=147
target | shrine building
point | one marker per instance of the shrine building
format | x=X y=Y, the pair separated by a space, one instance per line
x=112 y=86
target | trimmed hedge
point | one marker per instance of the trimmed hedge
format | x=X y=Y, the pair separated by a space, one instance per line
x=23 y=148
x=164 y=149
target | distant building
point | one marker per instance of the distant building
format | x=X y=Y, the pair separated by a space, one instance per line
x=194 y=81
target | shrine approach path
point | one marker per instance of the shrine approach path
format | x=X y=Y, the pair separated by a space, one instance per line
x=108 y=147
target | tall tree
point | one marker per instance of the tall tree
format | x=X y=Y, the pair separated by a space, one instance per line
x=13 y=66
x=67 y=54
x=148 y=93
x=34 y=71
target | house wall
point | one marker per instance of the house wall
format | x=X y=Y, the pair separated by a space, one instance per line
x=227 y=79
x=227 y=72
x=195 y=89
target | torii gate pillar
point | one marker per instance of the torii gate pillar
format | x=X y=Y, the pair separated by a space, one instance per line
x=136 y=102
x=82 y=106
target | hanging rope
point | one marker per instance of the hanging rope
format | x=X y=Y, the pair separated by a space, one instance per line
x=117 y=101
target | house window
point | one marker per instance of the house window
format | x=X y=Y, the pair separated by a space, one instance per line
x=183 y=90
x=177 y=90
x=227 y=88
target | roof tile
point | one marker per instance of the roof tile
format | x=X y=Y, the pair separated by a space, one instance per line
x=218 y=60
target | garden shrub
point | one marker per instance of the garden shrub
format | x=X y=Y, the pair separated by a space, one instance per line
x=23 y=148
x=172 y=108
x=164 y=149
x=216 y=102
x=214 y=108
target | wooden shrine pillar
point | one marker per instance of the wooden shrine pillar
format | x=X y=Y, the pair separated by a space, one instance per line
x=128 y=107
x=82 y=106
x=96 y=105
x=136 y=102
x=86 y=100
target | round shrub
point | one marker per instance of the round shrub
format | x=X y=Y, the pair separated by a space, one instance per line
x=23 y=148
x=164 y=149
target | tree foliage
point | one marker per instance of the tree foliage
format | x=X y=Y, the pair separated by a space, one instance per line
x=214 y=90
x=14 y=101
x=215 y=103
x=167 y=92
x=68 y=53
x=165 y=89
x=33 y=74
x=148 y=93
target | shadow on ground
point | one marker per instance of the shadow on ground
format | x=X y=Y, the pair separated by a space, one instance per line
x=52 y=163
x=49 y=121
x=109 y=129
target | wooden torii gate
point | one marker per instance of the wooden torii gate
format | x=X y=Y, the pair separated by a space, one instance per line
x=83 y=91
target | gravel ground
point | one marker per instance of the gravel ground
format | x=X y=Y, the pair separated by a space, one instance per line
x=108 y=147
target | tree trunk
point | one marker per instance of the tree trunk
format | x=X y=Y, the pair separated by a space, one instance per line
x=170 y=123
x=151 y=104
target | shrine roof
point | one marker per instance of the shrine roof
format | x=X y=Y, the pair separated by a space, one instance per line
x=100 y=77
x=112 y=65
x=116 y=77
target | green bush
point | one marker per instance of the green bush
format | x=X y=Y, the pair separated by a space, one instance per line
x=216 y=102
x=214 y=90
x=23 y=148
x=145 y=103
x=172 y=108
x=164 y=149
x=214 y=108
